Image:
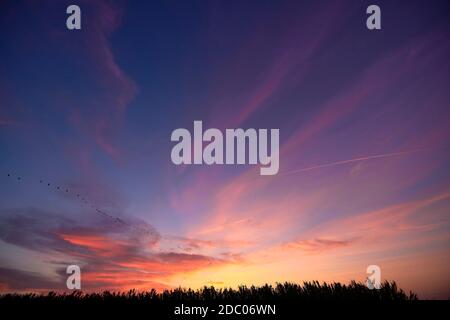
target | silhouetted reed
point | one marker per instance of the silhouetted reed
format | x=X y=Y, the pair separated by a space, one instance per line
x=281 y=292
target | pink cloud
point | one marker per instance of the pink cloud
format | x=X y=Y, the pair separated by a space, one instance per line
x=316 y=245
x=297 y=46
x=111 y=256
x=383 y=224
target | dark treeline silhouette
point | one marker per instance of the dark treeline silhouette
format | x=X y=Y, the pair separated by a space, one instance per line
x=280 y=292
x=290 y=300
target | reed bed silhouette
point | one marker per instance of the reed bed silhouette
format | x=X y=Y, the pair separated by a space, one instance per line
x=281 y=292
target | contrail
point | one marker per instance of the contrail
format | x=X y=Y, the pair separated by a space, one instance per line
x=337 y=163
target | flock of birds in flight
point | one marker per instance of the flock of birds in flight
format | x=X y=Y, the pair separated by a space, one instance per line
x=85 y=201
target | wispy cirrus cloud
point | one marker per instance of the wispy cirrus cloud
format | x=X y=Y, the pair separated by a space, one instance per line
x=317 y=245
x=295 y=50
x=389 y=222
x=102 y=114
x=233 y=201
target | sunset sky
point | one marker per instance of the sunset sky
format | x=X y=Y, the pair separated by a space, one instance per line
x=364 y=119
